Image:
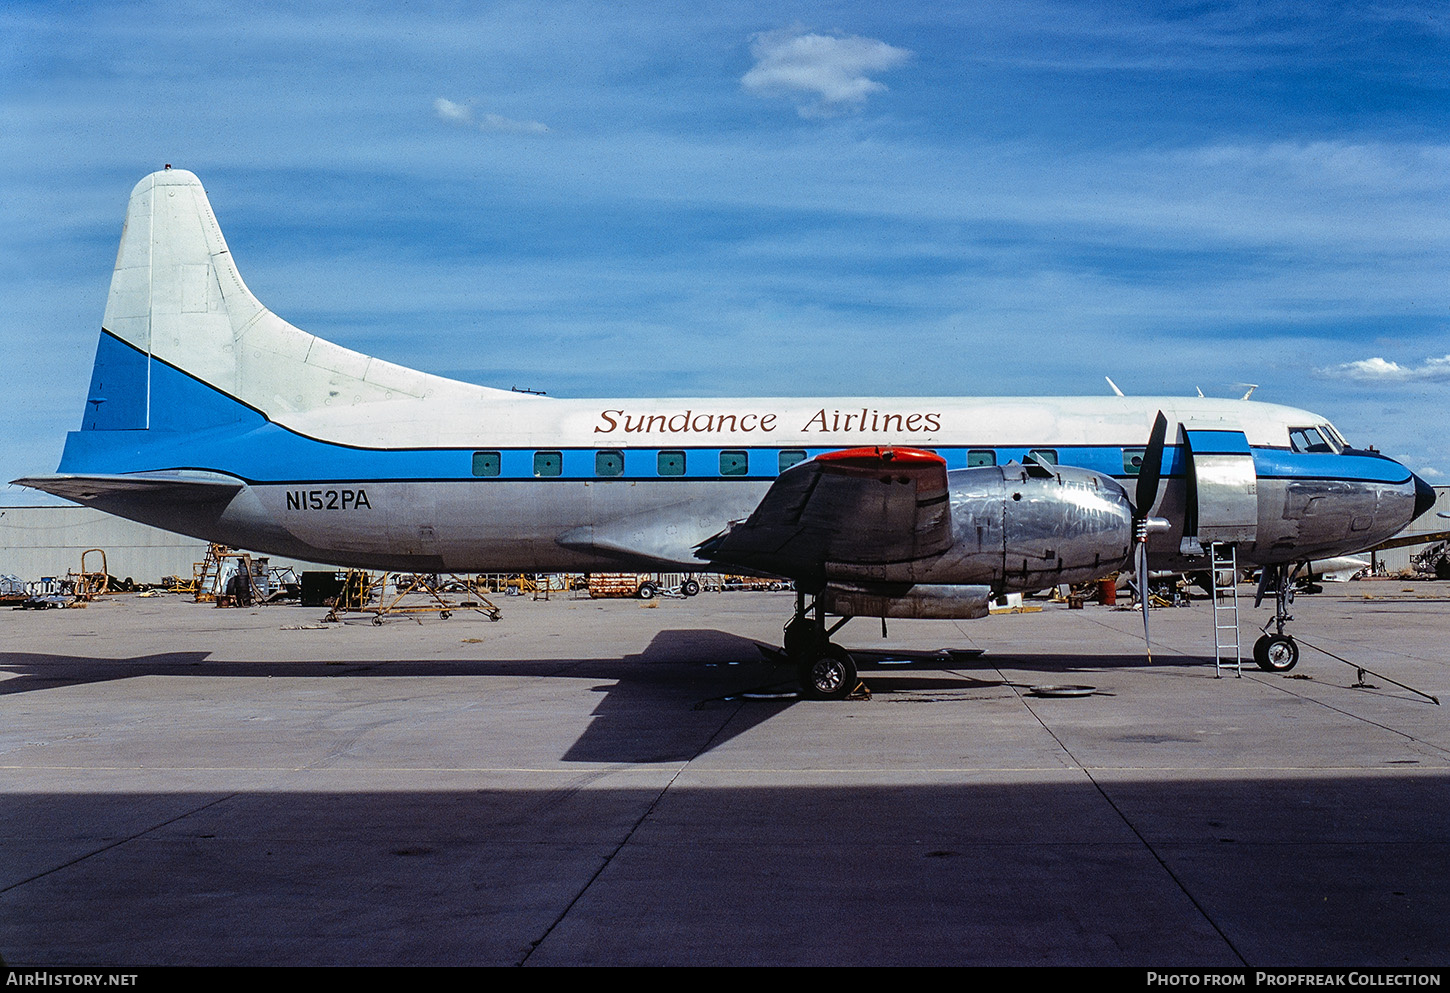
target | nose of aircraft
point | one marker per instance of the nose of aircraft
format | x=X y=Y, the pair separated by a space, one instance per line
x=1424 y=495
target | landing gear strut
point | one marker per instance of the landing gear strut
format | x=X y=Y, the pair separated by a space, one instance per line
x=1277 y=652
x=826 y=670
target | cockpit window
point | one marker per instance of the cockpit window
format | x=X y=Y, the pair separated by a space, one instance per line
x=1308 y=440
x=1335 y=438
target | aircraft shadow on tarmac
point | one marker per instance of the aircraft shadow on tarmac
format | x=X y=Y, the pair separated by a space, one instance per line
x=654 y=706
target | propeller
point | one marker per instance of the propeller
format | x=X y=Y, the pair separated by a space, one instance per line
x=1149 y=475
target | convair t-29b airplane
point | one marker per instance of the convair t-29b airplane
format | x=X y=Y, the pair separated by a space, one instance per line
x=211 y=416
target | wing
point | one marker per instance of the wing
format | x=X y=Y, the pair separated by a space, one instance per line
x=866 y=506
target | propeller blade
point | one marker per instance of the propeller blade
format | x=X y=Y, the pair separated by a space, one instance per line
x=1152 y=469
x=1149 y=475
x=1142 y=568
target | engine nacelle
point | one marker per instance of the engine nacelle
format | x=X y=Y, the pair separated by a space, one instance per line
x=1072 y=526
x=1015 y=529
x=921 y=601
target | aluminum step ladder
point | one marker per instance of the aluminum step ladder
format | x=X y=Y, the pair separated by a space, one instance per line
x=1223 y=566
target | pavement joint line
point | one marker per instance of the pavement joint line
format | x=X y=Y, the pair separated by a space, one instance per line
x=1354 y=717
x=1128 y=823
x=644 y=816
x=117 y=843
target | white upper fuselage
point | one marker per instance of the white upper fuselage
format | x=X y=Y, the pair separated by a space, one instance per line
x=488 y=420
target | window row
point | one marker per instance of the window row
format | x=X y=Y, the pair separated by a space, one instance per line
x=610 y=462
x=735 y=462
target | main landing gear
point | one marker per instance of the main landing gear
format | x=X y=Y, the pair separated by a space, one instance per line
x=1277 y=652
x=826 y=670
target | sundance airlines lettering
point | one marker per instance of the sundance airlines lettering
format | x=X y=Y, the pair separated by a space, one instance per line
x=689 y=422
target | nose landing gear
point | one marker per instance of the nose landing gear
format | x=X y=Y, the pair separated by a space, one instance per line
x=1277 y=652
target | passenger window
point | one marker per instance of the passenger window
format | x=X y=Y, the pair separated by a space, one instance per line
x=1133 y=460
x=980 y=456
x=790 y=457
x=486 y=463
x=734 y=463
x=672 y=463
x=1048 y=455
x=548 y=463
x=609 y=463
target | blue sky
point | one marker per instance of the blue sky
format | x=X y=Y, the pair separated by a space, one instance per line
x=765 y=198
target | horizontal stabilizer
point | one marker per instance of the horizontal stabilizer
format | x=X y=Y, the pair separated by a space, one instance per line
x=158 y=487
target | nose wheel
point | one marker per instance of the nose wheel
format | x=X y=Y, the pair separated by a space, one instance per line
x=1276 y=653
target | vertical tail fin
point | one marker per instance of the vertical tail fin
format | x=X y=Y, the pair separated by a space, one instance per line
x=166 y=302
x=178 y=305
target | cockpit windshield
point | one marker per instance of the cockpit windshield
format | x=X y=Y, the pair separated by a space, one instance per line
x=1316 y=439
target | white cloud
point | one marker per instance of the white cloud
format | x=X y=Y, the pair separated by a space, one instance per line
x=461 y=113
x=450 y=111
x=823 y=74
x=1379 y=370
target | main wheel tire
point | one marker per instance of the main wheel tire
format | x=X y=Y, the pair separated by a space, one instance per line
x=647 y=591
x=830 y=675
x=689 y=587
x=1276 y=653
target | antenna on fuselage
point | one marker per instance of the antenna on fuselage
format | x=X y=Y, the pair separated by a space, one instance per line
x=1113 y=385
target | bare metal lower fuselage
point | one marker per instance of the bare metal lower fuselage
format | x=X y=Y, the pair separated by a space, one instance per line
x=467 y=526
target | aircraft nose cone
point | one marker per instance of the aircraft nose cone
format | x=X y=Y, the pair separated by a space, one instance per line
x=1424 y=495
